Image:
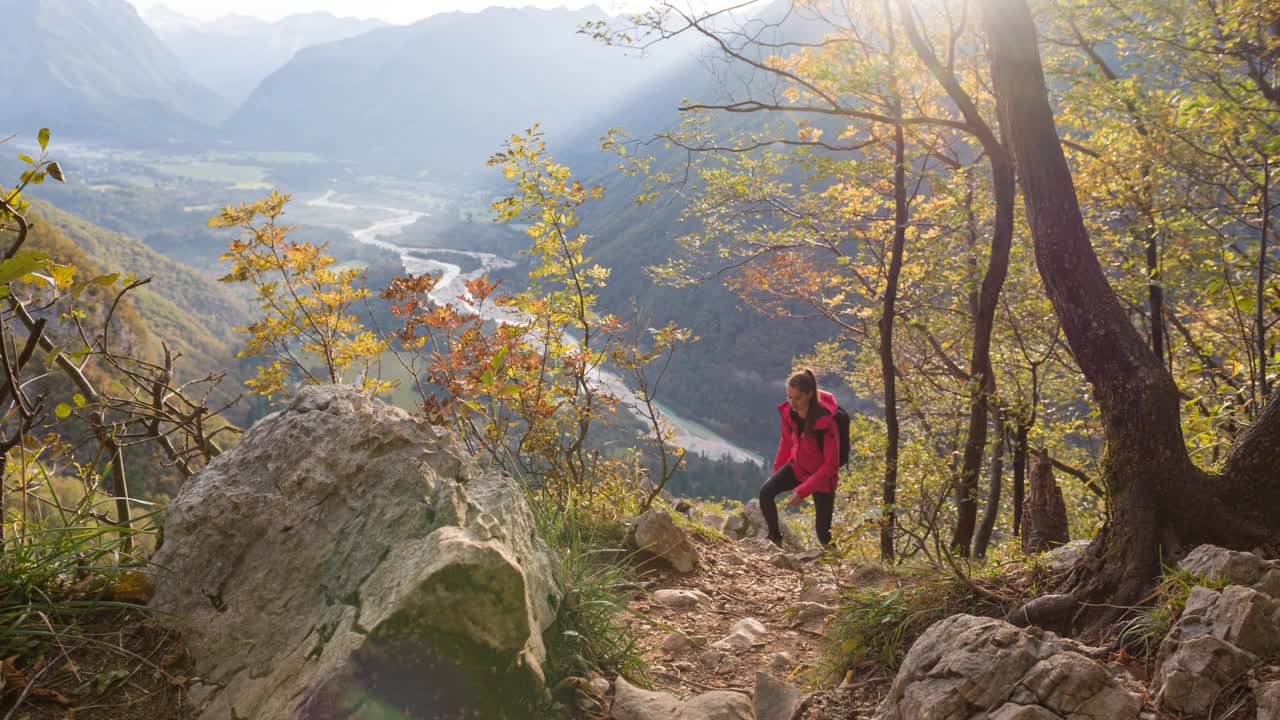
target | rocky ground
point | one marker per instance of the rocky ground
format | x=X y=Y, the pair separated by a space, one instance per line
x=747 y=610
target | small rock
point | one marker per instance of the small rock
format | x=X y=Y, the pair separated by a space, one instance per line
x=680 y=599
x=734 y=559
x=1267 y=697
x=809 y=555
x=728 y=665
x=677 y=643
x=683 y=506
x=632 y=703
x=684 y=666
x=656 y=534
x=819 y=592
x=735 y=526
x=784 y=561
x=744 y=635
x=807 y=614
x=780 y=662
x=776 y=700
x=711 y=660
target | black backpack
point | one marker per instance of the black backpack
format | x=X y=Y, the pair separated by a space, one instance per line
x=842 y=428
x=843 y=432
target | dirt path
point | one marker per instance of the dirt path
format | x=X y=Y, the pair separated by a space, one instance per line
x=740 y=583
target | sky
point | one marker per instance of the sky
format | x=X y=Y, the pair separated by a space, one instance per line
x=394 y=11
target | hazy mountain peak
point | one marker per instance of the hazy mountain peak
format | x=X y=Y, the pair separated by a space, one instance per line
x=163 y=18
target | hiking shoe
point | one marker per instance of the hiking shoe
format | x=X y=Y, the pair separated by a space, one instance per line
x=777 y=541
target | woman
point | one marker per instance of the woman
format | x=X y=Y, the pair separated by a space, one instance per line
x=808 y=456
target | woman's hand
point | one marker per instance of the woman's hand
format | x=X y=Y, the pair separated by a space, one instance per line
x=794 y=500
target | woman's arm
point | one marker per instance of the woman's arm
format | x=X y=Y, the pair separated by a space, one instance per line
x=821 y=479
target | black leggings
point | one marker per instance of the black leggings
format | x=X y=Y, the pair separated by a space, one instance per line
x=785 y=479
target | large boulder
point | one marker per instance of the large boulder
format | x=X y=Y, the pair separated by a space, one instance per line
x=972 y=668
x=347 y=556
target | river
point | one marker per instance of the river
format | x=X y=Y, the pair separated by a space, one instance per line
x=451 y=289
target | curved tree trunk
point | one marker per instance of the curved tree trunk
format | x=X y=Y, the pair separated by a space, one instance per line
x=1160 y=504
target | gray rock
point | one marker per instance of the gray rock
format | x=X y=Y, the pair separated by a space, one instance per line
x=776 y=700
x=343 y=543
x=963 y=665
x=780 y=663
x=680 y=599
x=819 y=592
x=734 y=559
x=683 y=506
x=1215 y=563
x=632 y=703
x=735 y=526
x=1061 y=558
x=784 y=561
x=677 y=643
x=1190 y=677
x=1267 y=697
x=712 y=659
x=1013 y=711
x=810 y=614
x=713 y=521
x=744 y=635
x=1239 y=615
x=1074 y=686
x=656 y=534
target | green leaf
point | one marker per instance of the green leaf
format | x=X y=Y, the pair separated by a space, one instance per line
x=26 y=159
x=63 y=410
x=498 y=358
x=78 y=399
x=507 y=390
x=43 y=137
x=21 y=264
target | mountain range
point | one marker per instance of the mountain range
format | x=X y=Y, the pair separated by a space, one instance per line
x=233 y=54
x=443 y=94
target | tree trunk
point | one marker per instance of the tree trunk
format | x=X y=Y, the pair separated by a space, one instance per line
x=983 y=538
x=1044 y=511
x=889 y=313
x=1004 y=190
x=1019 y=474
x=1160 y=503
